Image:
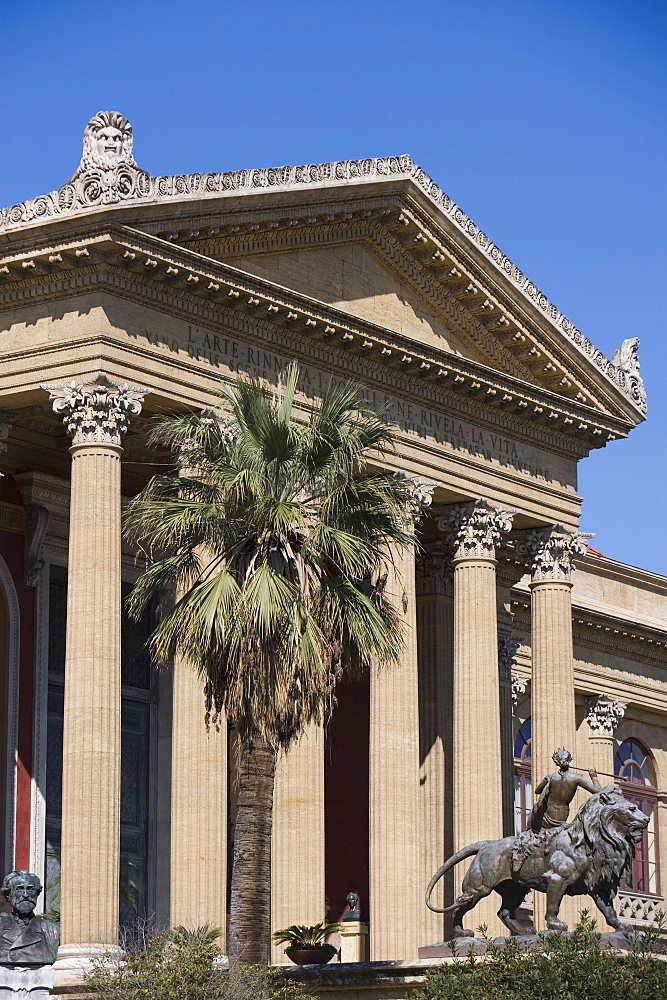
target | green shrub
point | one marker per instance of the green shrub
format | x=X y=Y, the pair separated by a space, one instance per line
x=570 y=967
x=181 y=965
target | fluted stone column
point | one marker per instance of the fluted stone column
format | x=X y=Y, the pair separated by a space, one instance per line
x=476 y=530
x=435 y=643
x=297 y=847
x=394 y=874
x=507 y=647
x=394 y=882
x=603 y=714
x=198 y=889
x=551 y=553
x=96 y=415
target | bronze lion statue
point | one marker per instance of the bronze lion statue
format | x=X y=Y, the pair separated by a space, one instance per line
x=588 y=856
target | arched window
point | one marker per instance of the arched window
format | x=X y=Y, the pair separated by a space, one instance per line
x=523 y=788
x=635 y=774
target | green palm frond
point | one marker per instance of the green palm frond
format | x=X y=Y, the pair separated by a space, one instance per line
x=271 y=535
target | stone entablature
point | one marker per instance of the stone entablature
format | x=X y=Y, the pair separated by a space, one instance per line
x=112 y=256
x=108 y=175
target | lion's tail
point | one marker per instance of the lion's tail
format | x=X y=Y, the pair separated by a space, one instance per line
x=465 y=852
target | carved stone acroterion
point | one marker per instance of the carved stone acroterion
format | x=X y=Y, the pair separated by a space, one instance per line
x=603 y=714
x=98 y=411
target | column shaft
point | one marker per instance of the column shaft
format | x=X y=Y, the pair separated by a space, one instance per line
x=552 y=696
x=90 y=850
x=478 y=801
x=435 y=639
x=297 y=843
x=395 y=889
x=96 y=414
x=198 y=892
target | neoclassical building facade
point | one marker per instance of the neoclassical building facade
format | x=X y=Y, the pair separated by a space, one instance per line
x=125 y=296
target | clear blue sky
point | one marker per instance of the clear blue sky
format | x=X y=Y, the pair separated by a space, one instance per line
x=544 y=120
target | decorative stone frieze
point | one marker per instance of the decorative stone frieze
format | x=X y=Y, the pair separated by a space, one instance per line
x=507 y=647
x=98 y=411
x=520 y=684
x=603 y=714
x=550 y=552
x=476 y=528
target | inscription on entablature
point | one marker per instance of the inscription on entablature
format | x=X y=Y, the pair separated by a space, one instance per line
x=450 y=431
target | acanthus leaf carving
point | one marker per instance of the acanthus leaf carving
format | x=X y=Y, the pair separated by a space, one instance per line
x=98 y=411
x=434 y=574
x=603 y=714
x=476 y=528
x=551 y=552
x=507 y=647
x=420 y=494
x=520 y=684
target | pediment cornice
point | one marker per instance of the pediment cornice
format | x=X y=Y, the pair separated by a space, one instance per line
x=138 y=265
x=123 y=185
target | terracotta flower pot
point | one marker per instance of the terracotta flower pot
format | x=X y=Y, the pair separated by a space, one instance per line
x=318 y=955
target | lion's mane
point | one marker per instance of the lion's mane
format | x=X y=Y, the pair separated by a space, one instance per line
x=596 y=830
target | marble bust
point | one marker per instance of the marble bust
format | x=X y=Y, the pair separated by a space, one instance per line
x=25 y=939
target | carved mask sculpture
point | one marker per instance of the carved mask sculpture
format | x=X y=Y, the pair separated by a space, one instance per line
x=107 y=141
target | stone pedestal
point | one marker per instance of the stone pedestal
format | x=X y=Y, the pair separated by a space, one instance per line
x=96 y=415
x=24 y=982
x=354 y=941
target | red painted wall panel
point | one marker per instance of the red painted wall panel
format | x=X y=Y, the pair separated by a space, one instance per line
x=12 y=550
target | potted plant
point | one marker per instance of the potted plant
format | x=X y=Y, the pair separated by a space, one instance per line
x=306 y=944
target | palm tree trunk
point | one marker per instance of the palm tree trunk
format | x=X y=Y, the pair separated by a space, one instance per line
x=250 y=911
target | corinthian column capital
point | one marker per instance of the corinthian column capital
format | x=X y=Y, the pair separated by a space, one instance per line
x=507 y=647
x=551 y=552
x=420 y=494
x=476 y=528
x=603 y=714
x=97 y=411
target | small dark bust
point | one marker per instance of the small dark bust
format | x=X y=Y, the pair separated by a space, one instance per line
x=24 y=938
x=354 y=913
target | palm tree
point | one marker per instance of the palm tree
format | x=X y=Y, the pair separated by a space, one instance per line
x=278 y=542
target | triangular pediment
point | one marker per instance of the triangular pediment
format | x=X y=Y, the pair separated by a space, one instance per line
x=352 y=278
x=452 y=286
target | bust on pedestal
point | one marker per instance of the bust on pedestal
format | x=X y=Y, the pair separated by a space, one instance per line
x=28 y=943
